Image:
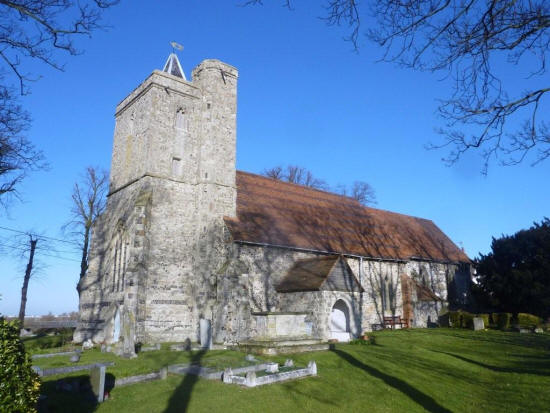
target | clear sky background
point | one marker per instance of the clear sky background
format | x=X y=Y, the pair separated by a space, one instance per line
x=304 y=97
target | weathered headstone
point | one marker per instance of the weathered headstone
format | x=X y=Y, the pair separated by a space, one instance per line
x=251 y=378
x=97 y=380
x=126 y=347
x=163 y=373
x=312 y=367
x=272 y=367
x=205 y=333
x=250 y=357
x=478 y=324
x=88 y=344
x=75 y=358
x=289 y=363
x=227 y=373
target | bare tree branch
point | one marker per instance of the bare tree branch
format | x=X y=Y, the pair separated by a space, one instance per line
x=89 y=200
x=468 y=40
x=17 y=155
x=36 y=29
x=360 y=191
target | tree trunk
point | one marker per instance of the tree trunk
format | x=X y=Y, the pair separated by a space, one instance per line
x=28 y=272
x=84 y=260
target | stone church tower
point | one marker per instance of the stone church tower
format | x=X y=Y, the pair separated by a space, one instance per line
x=156 y=249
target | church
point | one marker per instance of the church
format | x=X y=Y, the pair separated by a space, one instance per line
x=188 y=247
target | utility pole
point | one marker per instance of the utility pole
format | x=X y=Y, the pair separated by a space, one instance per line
x=28 y=272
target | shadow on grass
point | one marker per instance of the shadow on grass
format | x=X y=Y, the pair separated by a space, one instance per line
x=530 y=368
x=414 y=394
x=71 y=394
x=179 y=401
x=534 y=341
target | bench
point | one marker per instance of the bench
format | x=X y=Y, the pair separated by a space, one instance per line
x=392 y=321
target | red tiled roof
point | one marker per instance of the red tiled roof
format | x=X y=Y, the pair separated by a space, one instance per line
x=283 y=214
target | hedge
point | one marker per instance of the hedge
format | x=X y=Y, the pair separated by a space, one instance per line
x=502 y=320
x=461 y=319
x=528 y=320
x=485 y=318
x=19 y=384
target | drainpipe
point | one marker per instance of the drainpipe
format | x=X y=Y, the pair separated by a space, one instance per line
x=361 y=295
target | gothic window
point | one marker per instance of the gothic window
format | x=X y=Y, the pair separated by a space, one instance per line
x=388 y=293
x=120 y=260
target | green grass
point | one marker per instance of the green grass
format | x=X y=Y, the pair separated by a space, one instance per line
x=43 y=343
x=436 y=370
x=149 y=361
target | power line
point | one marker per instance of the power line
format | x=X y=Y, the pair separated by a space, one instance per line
x=40 y=236
x=43 y=254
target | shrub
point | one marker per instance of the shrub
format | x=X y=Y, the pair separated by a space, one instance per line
x=485 y=318
x=528 y=320
x=467 y=320
x=460 y=319
x=502 y=320
x=19 y=384
x=454 y=319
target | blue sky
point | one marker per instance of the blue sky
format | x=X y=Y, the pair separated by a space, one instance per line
x=304 y=98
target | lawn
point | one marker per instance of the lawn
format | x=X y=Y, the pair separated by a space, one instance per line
x=436 y=370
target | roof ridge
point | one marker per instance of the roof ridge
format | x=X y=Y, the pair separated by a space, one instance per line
x=348 y=198
x=267 y=178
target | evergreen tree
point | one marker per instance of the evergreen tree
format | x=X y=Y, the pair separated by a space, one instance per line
x=515 y=276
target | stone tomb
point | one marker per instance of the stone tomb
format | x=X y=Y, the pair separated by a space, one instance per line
x=251 y=379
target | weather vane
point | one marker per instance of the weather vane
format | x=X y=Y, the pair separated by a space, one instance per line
x=176 y=46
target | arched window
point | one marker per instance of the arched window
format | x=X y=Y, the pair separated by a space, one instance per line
x=120 y=260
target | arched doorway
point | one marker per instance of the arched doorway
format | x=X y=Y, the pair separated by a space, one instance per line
x=339 y=321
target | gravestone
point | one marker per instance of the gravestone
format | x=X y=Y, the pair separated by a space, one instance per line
x=88 y=344
x=127 y=346
x=478 y=324
x=289 y=363
x=250 y=379
x=205 y=333
x=97 y=380
x=272 y=368
x=312 y=367
x=227 y=373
